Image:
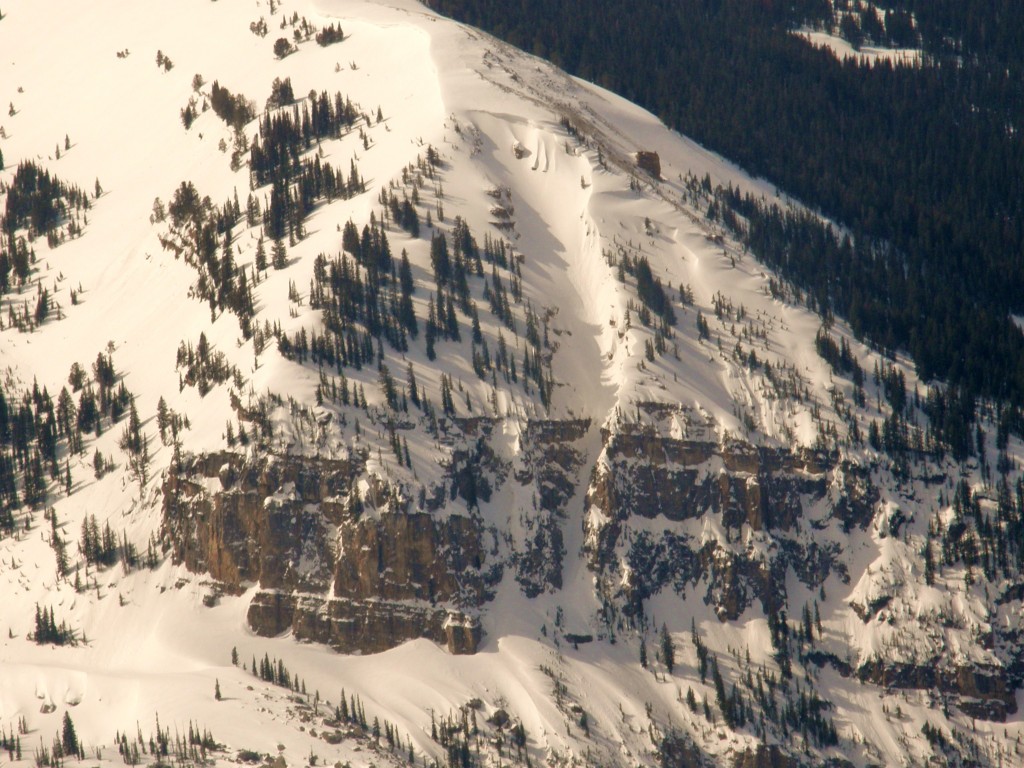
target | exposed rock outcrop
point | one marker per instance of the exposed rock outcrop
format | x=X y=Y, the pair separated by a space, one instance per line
x=765 y=756
x=980 y=692
x=650 y=162
x=267 y=520
x=676 y=751
x=645 y=472
x=344 y=557
x=328 y=570
x=550 y=460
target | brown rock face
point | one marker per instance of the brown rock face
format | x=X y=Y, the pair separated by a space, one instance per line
x=650 y=162
x=366 y=571
x=644 y=473
x=363 y=571
x=360 y=581
x=352 y=626
x=678 y=752
x=649 y=475
x=247 y=522
x=981 y=692
x=412 y=556
x=765 y=756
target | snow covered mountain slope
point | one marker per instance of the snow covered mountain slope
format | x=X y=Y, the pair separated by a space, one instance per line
x=579 y=483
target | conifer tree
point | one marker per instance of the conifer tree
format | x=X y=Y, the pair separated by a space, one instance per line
x=69 y=739
x=280 y=255
x=261 y=256
x=929 y=562
x=668 y=649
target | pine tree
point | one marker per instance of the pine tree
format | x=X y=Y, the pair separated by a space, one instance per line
x=721 y=697
x=280 y=255
x=431 y=331
x=668 y=649
x=69 y=739
x=929 y=562
x=261 y=256
x=60 y=551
